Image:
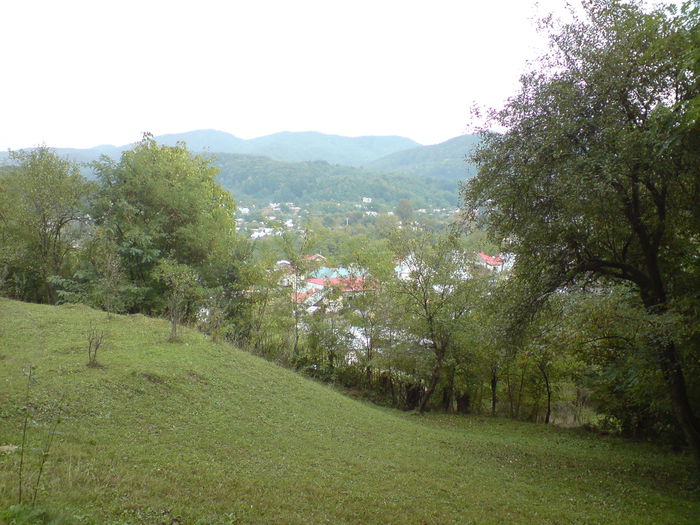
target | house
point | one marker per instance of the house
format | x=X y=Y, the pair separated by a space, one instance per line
x=259 y=233
x=316 y=257
x=324 y=272
x=343 y=284
x=330 y=290
x=494 y=263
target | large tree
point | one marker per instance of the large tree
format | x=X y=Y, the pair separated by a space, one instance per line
x=164 y=202
x=596 y=173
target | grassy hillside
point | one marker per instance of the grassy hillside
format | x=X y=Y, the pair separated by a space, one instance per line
x=198 y=431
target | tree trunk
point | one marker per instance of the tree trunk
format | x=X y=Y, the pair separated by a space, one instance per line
x=511 y=397
x=675 y=382
x=494 y=387
x=393 y=392
x=520 y=391
x=173 y=328
x=670 y=364
x=543 y=369
x=439 y=354
x=464 y=403
x=448 y=393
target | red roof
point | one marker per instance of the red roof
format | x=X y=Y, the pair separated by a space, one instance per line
x=491 y=261
x=315 y=257
x=300 y=297
x=347 y=284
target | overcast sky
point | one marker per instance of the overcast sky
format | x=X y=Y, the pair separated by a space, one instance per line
x=84 y=73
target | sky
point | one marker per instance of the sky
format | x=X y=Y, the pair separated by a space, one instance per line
x=85 y=73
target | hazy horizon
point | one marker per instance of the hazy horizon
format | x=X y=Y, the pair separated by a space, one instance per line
x=86 y=74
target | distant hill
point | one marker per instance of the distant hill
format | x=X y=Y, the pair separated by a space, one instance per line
x=310 y=167
x=206 y=140
x=445 y=160
x=349 y=151
x=294 y=146
x=286 y=146
x=81 y=155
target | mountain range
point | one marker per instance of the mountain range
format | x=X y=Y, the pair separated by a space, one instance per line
x=311 y=166
x=375 y=153
x=295 y=146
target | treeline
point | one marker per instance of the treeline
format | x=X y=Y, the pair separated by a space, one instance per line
x=153 y=228
x=433 y=328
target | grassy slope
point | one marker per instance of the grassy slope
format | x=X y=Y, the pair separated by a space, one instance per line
x=203 y=431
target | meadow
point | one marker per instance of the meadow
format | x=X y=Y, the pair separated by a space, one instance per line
x=198 y=432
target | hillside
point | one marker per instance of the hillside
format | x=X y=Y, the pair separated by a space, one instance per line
x=308 y=168
x=444 y=160
x=310 y=146
x=199 y=432
x=261 y=180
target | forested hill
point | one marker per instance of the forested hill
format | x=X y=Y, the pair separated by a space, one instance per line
x=260 y=180
x=445 y=160
x=295 y=146
x=285 y=146
x=312 y=167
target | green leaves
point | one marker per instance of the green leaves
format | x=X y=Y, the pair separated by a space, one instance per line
x=163 y=202
x=596 y=176
x=42 y=203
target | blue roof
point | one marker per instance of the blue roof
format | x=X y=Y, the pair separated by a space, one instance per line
x=329 y=273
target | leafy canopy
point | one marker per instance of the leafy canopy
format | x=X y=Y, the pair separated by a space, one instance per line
x=596 y=173
x=162 y=201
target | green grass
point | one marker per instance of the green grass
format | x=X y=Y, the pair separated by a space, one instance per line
x=206 y=433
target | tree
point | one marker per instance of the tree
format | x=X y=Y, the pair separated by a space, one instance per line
x=296 y=250
x=42 y=201
x=437 y=294
x=404 y=211
x=163 y=202
x=182 y=290
x=596 y=174
x=109 y=286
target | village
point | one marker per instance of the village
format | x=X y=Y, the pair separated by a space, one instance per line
x=322 y=287
x=276 y=218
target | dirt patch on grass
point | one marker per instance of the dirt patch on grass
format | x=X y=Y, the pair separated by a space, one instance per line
x=153 y=378
x=197 y=377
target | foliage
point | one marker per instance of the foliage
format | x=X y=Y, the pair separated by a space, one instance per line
x=163 y=202
x=261 y=180
x=596 y=176
x=42 y=200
